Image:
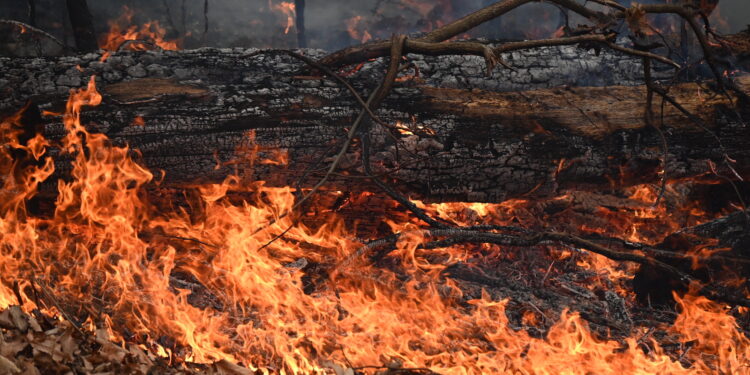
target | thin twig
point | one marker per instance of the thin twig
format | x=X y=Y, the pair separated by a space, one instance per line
x=374 y=49
x=372 y=102
x=648 y=117
x=47 y=295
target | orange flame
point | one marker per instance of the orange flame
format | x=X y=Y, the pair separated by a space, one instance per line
x=353 y=28
x=288 y=9
x=122 y=30
x=211 y=279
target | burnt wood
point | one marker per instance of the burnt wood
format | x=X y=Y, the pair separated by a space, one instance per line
x=472 y=137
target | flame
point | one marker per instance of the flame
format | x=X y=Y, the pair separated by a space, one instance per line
x=714 y=333
x=403 y=16
x=139 y=121
x=122 y=30
x=206 y=274
x=353 y=27
x=287 y=8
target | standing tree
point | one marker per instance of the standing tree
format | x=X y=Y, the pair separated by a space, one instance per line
x=83 y=25
x=299 y=6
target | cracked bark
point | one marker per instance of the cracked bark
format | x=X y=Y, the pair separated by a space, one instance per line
x=476 y=138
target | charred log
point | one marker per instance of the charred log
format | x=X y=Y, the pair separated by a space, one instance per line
x=461 y=137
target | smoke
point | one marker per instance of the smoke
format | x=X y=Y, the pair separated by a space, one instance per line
x=255 y=23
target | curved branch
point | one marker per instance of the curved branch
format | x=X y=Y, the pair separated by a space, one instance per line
x=495 y=10
x=489 y=53
x=380 y=48
x=34 y=30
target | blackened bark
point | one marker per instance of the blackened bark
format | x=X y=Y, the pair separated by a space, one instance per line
x=299 y=6
x=83 y=25
x=204 y=110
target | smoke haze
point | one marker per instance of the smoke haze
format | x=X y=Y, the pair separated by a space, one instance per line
x=330 y=24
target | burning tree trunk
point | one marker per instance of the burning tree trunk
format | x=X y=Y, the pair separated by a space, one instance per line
x=459 y=136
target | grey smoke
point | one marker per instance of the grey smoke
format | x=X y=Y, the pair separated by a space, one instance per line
x=250 y=23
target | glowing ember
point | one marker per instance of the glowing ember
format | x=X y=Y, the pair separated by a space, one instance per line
x=135 y=269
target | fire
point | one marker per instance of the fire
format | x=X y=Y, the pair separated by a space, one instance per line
x=122 y=30
x=403 y=16
x=206 y=274
x=287 y=8
x=715 y=333
x=354 y=29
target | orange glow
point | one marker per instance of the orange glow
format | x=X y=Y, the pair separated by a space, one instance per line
x=114 y=256
x=122 y=30
x=355 y=30
x=715 y=333
x=287 y=8
x=139 y=121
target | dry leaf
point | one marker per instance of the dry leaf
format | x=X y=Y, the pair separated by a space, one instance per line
x=8 y=367
x=112 y=352
x=11 y=348
x=339 y=370
x=34 y=324
x=6 y=321
x=67 y=344
x=102 y=335
x=48 y=345
x=87 y=365
x=225 y=367
x=19 y=318
x=29 y=368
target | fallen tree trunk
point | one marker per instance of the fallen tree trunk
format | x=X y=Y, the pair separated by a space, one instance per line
x=204 y=111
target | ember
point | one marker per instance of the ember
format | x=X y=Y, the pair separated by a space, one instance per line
x=232 y=211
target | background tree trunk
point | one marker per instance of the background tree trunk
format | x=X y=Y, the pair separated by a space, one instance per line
x=83 y=25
